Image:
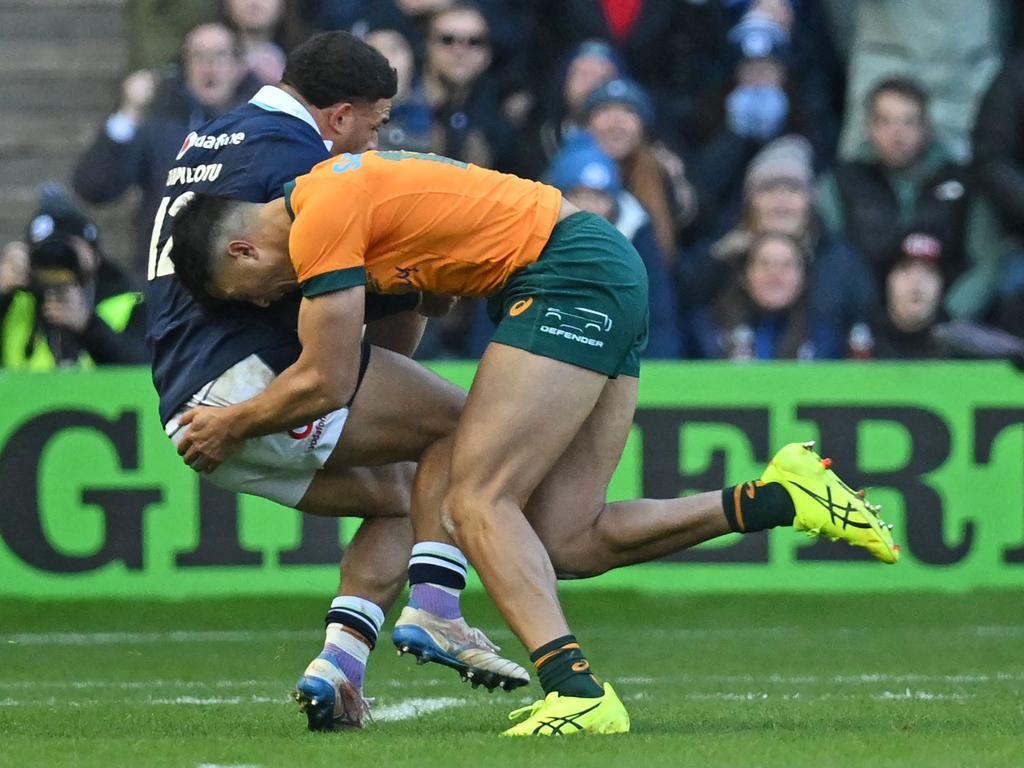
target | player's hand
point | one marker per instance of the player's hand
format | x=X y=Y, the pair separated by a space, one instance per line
x=436 y=304
x=209 y=441
x=66 y=307
x=14 y=269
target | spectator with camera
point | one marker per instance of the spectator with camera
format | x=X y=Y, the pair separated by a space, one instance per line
x=61 y=302
x=137 y=145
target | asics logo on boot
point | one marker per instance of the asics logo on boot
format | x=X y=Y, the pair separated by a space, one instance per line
x=555 y=724
x=831 y=506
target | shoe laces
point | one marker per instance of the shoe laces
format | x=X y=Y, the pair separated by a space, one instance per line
x=479 y=639
x=355 y=707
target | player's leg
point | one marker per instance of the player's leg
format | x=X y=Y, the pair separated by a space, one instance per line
x=431 y=626
x=583 y=535
x=399 y=411
x=523 y=412
x=372 y=574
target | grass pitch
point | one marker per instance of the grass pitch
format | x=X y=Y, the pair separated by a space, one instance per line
x=908 y=680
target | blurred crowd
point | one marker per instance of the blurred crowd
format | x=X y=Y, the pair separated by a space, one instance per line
x=804 y=179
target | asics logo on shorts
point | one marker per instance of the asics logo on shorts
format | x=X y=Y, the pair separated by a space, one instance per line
x=520 y=306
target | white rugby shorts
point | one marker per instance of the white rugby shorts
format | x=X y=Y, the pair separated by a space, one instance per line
x=279 y=467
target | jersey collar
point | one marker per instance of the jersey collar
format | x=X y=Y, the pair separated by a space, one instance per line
x=274 y=99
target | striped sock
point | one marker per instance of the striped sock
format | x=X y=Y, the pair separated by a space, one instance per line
x=437 y=576
x=347 y=652
x=358 y=615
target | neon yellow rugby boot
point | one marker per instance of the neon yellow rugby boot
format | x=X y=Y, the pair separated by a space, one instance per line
x=826 y=506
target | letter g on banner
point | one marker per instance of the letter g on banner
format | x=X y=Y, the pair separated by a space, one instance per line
x=21 y=523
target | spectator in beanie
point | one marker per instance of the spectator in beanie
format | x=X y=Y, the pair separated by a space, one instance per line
x=764 y=314
x=901 y=179
x=589 y=179
x=913 y=301
x=619 y=115
x=589 y=66
x=61 y=302
x=137 y=145
x=777 y=198
x=764 y=100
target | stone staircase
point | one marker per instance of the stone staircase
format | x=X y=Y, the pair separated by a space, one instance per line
x=61 y=63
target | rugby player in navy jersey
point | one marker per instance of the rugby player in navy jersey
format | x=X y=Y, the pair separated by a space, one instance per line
x=335 y=93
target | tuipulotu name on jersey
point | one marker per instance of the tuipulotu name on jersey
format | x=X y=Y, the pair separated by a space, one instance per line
x=186 y=175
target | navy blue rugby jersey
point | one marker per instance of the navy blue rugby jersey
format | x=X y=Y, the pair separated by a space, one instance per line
x=248 y=154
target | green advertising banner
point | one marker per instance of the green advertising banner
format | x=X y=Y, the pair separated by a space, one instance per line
x=95 y=502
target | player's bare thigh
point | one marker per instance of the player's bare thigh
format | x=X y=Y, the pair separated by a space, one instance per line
x=523 y=411
x=563 y=508
x=400 y=409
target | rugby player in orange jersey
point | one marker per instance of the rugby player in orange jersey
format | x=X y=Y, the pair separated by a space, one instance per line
x=548 y=412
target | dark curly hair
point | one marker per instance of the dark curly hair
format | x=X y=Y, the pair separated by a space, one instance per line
x=336 y=66
x=193 y=234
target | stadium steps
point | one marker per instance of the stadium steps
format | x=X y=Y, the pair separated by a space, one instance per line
x=61 y=62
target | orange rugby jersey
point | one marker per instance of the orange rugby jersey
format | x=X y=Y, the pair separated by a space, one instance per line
x=403 y=221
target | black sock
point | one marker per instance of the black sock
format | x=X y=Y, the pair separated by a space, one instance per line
x=757 y=506
x=562 y=667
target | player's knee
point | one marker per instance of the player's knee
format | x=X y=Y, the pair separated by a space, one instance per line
x=571 y=562
x=575 y=554
x=392 y=489
x=467 y=512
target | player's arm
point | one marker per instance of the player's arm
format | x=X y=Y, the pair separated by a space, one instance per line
x=401 y=331
x=323 y=379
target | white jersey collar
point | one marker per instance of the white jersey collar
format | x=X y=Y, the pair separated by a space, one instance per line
x=274 y=99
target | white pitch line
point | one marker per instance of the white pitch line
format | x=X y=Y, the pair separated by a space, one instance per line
x=428 y=682
x=174 y=636
x=131 y=685
x=406 y=709
x=862 y=679
x=920 y=696
x=413 y=708
x=242 y=636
